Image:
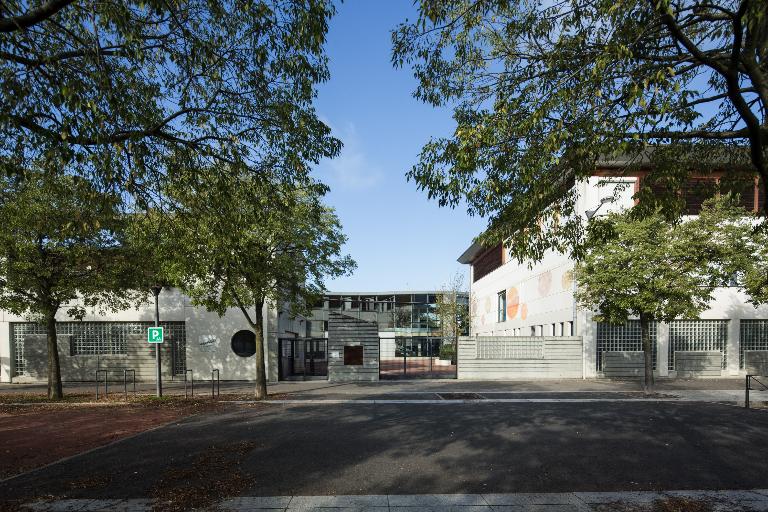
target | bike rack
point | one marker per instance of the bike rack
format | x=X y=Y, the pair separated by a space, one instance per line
x=748 y=387
x=216 y=382
x=125 y=371
x=191 y=381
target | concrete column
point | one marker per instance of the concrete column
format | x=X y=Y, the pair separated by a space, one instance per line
x=734 y=347
x=587 y=329
x=662 y=349
x=5 y=352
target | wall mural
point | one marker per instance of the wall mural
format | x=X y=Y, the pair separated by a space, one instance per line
x=524 y=311
x=567 y=280
x=513 y=303
x=545 y=283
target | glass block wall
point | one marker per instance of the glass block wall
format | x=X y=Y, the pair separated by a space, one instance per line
x=621 y=338
x=99 y=338
x=709 y=335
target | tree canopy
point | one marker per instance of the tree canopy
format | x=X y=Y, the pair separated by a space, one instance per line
x=541 y=91
x=132 y=93
x=659 y=270
x=62 y=244
x=241 y=243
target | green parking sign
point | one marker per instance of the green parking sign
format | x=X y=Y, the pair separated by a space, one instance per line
x=155 y=334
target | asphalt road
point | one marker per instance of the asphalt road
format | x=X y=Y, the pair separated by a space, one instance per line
x=421 y=449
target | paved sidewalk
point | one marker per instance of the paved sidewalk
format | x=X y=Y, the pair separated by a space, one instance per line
x=202 y=386
x=634 y=501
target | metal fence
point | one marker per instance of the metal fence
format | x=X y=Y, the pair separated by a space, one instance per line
x=99 y=338
x=698 y=335
x=625 y=337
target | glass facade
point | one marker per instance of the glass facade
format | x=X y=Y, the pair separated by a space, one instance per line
x=405 y=314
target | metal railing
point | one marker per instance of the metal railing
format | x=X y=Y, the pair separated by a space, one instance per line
x=215 y=384
x=106 y=371
x=748 y=386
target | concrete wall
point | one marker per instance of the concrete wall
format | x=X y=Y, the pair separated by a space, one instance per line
x=558 y=358
x=348 y=331
x=623 y=364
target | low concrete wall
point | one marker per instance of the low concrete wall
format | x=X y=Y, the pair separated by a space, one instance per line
x=140 y=357
x=520 y=357
x=346 y=331
x=756 y=362
x=623 y=364
x=698 y=363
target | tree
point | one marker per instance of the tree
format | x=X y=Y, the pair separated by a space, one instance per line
x=131 y=94
x=741 y=243
x=242 y=243
x=541 y=91
x=61 y=245
x=652 y=269
x=452 y=312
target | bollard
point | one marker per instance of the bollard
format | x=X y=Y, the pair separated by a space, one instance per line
x=192 y=383
x=215 y=384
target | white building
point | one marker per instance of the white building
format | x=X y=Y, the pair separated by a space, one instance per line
x=196 y=340
x=511 y=299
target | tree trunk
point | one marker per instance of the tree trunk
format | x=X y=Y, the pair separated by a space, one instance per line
x=261 y=374
x=55 y=389
x=645 y=336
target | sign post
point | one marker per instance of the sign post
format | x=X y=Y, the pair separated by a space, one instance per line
x=155 y=336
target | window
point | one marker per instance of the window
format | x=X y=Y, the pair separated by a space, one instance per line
x=569 y=326
x=554 y=330
x=353 y=355
x=244 y=343
x=502 y=301
x=533 y=330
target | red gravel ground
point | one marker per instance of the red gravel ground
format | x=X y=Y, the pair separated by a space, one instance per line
x=33 y=436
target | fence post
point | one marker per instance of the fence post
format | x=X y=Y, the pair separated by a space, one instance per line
x=746 y=393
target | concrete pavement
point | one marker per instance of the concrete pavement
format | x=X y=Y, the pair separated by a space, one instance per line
x=475 y=448
x=723 y=500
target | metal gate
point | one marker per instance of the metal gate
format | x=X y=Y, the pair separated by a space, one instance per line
x=415 y=358
x=302 y=358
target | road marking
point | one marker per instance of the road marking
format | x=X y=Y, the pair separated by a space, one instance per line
x=462 y=401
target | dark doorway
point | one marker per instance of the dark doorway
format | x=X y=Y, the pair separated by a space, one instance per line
x=302 y=358
x=414 y=357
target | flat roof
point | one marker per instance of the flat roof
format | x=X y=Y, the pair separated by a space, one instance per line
x=469 y=255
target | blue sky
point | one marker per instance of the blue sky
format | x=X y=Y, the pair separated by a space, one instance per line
x=399 y=238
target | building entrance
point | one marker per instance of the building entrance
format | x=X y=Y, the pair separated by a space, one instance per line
x=302 y=359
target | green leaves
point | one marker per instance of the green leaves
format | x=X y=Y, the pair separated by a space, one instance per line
x=664 y=269
x=61 y=240
x=543 y=92
x=146 y=84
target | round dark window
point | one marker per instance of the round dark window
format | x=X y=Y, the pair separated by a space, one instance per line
x=244 y=343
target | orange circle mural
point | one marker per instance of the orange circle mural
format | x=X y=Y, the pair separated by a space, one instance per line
x=545 y=283
x=567 y=280
x=513 y=302
x=524 y=311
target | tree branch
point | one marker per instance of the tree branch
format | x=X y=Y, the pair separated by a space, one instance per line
x=33 y=17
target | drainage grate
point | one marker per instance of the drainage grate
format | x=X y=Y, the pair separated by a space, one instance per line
x=460 y=396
